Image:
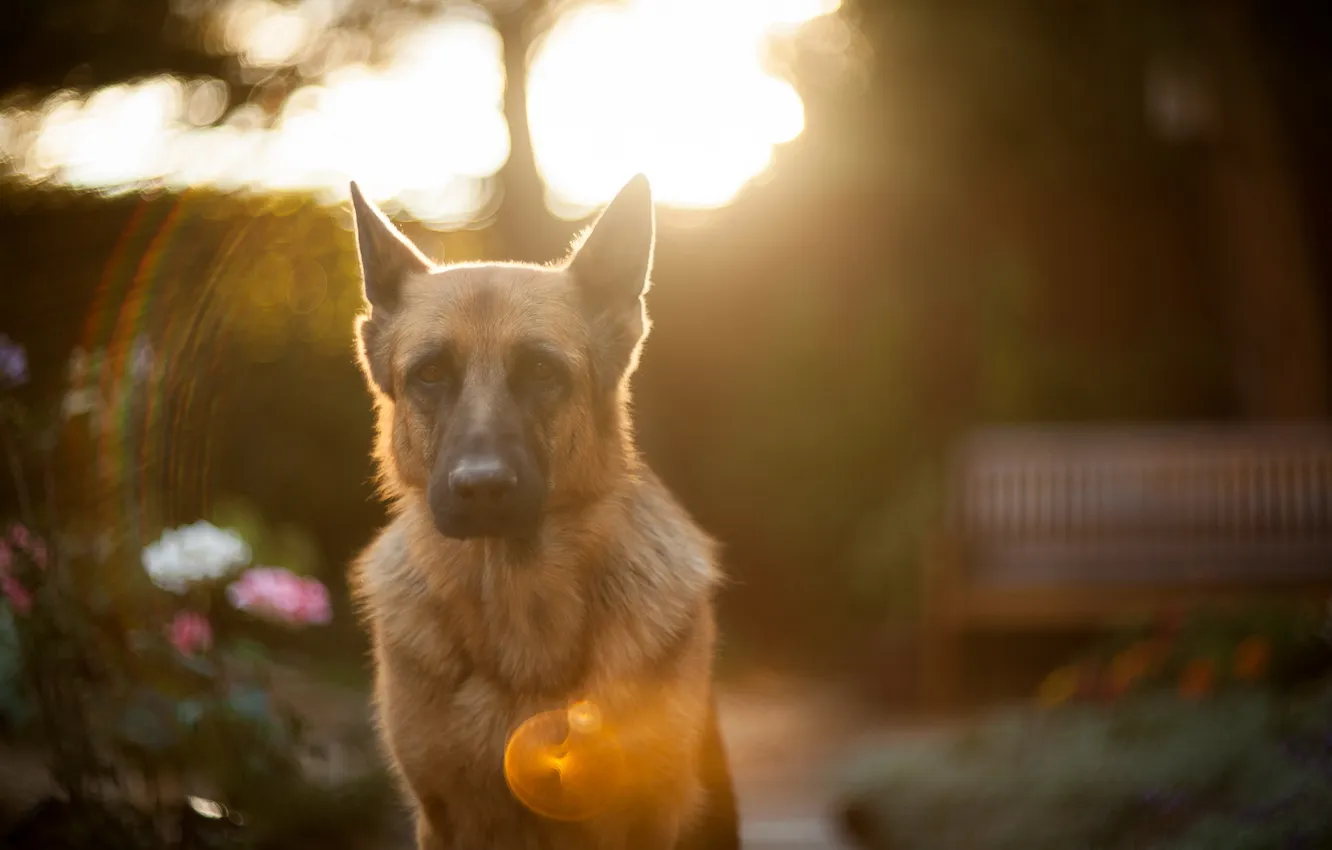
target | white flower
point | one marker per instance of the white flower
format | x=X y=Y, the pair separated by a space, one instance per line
x=78 y=402
x=193 y=553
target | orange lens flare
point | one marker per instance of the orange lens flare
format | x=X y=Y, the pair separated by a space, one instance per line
x=564 y=765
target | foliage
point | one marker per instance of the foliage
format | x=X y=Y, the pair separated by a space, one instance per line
x=14 y=708
x=1194 y=653
x=123 y=662
x=1247 y=770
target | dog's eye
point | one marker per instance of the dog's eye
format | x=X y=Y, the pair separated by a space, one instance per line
x=542 y=369
x=538 y=370
x=431 y=372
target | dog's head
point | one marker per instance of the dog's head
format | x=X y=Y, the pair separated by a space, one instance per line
x=501 y=387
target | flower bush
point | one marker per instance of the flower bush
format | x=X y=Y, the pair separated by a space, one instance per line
x=117 y=659
x=1247 y=769
x=1212 y=730
x=1194 y=656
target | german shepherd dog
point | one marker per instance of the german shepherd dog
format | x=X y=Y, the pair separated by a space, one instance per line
x=533 y=563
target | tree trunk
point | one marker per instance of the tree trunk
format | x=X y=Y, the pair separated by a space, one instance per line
x=524 y=228
x=1274 y=307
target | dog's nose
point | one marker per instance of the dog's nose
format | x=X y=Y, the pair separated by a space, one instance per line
x=483 y=479
x=484 y=494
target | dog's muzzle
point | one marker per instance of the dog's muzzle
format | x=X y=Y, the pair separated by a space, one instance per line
x=483 y=495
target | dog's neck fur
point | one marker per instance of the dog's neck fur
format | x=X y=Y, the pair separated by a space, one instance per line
x=528 y=610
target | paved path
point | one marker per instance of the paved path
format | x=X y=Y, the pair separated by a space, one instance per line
x=784 y=739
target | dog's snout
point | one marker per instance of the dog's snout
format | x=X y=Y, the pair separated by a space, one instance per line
x=486 y=494
x=483 y=479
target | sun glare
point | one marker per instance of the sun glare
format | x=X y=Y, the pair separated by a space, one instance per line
x=675 y=88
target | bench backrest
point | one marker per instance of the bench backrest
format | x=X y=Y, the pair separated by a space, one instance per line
x=1146 y=505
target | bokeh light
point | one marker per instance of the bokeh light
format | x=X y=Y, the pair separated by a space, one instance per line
x=673 y=88
x=398 y=129
x=676 y=88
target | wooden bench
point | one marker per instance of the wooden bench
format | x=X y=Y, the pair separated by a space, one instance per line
x=1052 y=527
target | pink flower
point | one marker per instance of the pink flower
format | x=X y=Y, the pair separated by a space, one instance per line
x=19 y=598
x=24 y=540
x=281 y=595
x=20 y=535
x=190 y=633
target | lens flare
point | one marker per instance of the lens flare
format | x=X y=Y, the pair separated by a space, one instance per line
x=187 y=300
x=564 y=765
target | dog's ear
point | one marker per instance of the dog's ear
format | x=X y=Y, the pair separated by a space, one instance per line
x=612 y=261
x=387 y=257
x=610 y=266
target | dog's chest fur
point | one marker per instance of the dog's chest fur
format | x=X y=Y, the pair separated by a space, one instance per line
x=470 y=647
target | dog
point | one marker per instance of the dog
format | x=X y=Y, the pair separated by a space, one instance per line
x=533 y=563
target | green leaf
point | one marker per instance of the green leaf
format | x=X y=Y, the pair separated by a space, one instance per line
x=189 y=712
x=249 y=650
x=249 y=702
x=198 y=664
x=148 y=721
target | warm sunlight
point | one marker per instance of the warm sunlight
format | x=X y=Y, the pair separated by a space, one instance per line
x=765 y=424
x=410 y=141
x=676 y=88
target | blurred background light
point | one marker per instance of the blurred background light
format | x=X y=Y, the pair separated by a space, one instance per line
x=676 y=88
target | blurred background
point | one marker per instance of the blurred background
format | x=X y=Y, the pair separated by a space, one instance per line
x=1053 y=234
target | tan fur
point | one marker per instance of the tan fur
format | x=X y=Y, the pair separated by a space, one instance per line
x=613 y=601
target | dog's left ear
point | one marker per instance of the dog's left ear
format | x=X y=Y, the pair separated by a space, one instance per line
x=610 y=266
x=612 y=261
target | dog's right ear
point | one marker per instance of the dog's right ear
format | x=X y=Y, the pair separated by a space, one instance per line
x=387 y=257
